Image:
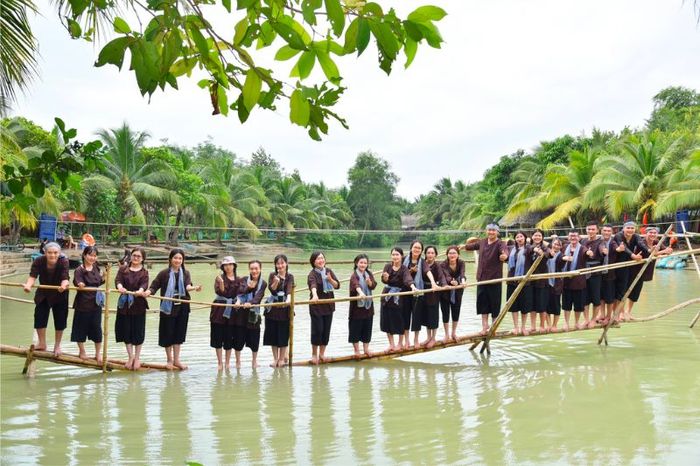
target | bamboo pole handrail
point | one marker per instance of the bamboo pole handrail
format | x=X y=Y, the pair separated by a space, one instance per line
x=506 y=308
x=476 y=337
x=533 y=277
x=646 y=262
x=697 y=269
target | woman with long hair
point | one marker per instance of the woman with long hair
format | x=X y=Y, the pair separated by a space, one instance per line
x=453 y=272
x=396 y=278
x=361 y=314
x=322 y=281
x=87 y=318
x=280 y=284
x=173 y=282
x=130 y=324
x=226 y=287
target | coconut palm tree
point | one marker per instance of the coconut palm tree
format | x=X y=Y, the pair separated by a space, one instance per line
x=563 y=188
x=236 y=200
x=633 y=179
x=138 y=181
x=683 y=190
x=18 y=50
x=17 y=213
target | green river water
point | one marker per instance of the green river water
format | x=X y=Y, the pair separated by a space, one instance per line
x=554 y=399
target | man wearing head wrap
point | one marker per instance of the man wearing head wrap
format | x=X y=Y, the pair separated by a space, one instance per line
x=492 y=254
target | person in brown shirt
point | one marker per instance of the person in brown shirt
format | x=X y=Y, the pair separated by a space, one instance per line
x=280 y=284
x=50 y=269
x=431 y=300
x=520 y=260
x=652 y=242
x=453 y=272
x=540 y=292
x=173 y=282
x=227 y=287
x=397 y=278
x=608 y=248
x=88 y=305
x=415 y=306
x=322 y=281
x=246 y=316
x=492 y=254
x=574 y=287
x=130 y=325
x=593 y=245
x=361 y=315
x=555 y=286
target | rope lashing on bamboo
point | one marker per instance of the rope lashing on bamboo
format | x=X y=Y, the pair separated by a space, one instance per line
x=542 y=276
x=647 y=261
x=477 y=338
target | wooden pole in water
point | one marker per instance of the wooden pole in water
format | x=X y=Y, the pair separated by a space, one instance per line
x=697 y=268
x=616 y=314
x=506 y=308
x=291 y=326
x=105 y=320
x=29 y=360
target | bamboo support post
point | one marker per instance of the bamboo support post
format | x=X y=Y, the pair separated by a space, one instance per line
x=105 y=320
x=647 y=261
x=697 y=267
x=29 y=360
x=291 y=325
x=485 y=346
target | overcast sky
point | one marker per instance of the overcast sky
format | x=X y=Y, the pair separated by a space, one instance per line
x=510 y=74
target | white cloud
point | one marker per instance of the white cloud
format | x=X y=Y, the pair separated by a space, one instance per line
x=511 y=74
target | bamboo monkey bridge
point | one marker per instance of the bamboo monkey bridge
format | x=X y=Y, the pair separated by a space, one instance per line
x=30 y=354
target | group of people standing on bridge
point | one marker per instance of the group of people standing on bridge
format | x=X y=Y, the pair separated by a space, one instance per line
x=240 y=305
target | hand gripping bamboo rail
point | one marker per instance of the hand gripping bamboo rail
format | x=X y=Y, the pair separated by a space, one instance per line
x=647 y=261
x=477 y=338
x=506 y=308
x=697 y=269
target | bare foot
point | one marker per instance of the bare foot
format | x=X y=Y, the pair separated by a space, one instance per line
x=579 y=326
x=425 y=343
x=592 y=324
x=98 y=358
x=390 y=349
x=485 y=332
x=430 y=343
x=137 y=364
x=40 y=348
x=255 y=365
x=525 y=332
x=83 y=356
x=238 y=365
x=314 y=360
x=454 y=337
x=533 y=330
x=129 y=364
x=169 y=366
x=57 y=351
x=553 y=329
x=357 y=355
x=220 y=367
x=515 y=331
x=565 y=327
x=544 y=330
x=368 y=353
x=180 y=365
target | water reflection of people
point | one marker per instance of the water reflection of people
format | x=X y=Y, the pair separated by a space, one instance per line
x=131 y=417
x=175 y=421
x=278 y=399
x=362 y=410
x=322 y=429
x=236 y=418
